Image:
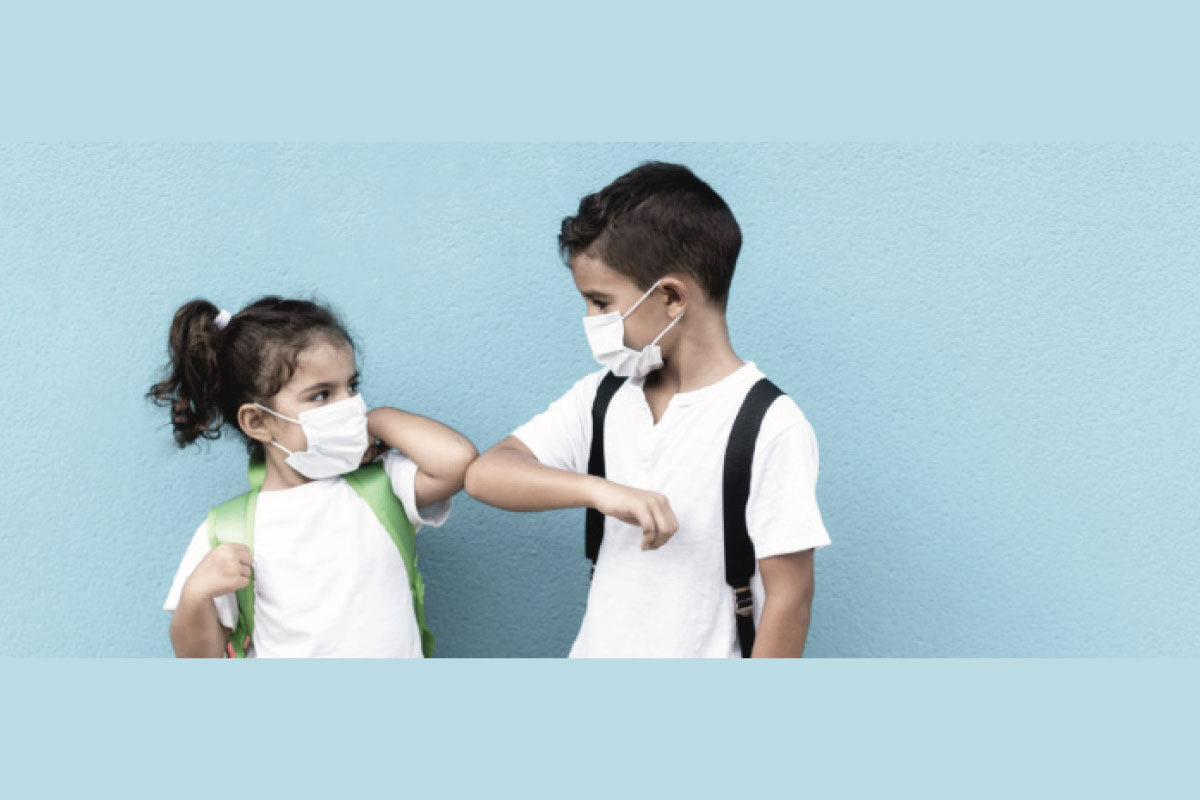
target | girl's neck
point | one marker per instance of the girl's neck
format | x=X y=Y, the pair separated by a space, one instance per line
x=279 y=475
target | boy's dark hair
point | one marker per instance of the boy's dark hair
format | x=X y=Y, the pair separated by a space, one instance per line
x=655 y=219
x=211 y=372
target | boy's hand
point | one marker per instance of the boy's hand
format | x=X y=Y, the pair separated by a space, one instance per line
x=649 y=511
x=225 y=569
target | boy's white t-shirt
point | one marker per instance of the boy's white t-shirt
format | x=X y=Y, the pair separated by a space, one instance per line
x=328 y=579
x=673 y=601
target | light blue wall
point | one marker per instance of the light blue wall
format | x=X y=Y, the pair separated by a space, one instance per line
x=997 y=347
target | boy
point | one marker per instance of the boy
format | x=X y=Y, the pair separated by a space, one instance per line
x=653 y=256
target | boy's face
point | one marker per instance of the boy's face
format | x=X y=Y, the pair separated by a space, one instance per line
x=605 y=290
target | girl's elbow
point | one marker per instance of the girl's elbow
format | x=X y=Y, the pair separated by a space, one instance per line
x=468 y=456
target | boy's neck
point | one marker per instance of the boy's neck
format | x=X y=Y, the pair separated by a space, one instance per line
x=701 y=357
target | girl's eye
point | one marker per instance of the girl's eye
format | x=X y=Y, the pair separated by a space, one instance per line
x=318 y=397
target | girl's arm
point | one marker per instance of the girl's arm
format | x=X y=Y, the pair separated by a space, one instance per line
x=441 y=453
x=196 y=632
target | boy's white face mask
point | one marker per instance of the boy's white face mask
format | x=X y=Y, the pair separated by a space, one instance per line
x=606 y=335
x=337 y=438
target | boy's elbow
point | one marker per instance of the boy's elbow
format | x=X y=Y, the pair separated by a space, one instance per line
x=473 y=479
x=481 y=476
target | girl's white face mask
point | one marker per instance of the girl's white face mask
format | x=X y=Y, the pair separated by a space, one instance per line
x=606 y=335
x=337 y=438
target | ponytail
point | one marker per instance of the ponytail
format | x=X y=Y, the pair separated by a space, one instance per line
x=191 y=387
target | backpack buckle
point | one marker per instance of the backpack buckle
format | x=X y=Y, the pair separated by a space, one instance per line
x=743 y=602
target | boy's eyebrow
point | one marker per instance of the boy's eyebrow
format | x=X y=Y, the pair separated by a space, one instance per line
x=596 y=295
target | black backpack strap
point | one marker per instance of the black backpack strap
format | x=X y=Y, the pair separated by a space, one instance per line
x=739 y=550
x=594 y=522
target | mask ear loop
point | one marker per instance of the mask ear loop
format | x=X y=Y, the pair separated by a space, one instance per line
x=276 y=413
x=672 y=325
x=642 y=299
x=289 y=419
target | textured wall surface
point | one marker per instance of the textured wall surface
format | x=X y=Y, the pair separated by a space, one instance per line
x=996 y=345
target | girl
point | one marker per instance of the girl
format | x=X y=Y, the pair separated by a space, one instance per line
x=327 y=579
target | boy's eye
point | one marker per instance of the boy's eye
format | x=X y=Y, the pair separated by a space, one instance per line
x=318 y=397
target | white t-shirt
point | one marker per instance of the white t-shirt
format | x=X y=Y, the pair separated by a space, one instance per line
x=674 y=602
x=328 y=579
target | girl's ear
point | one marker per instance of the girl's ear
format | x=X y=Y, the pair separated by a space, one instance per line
x=253 y=422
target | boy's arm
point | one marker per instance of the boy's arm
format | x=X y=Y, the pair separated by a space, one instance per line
x=788 y=585
x=441 y=453
x=509 y=476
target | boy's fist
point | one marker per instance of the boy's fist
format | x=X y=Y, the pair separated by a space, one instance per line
x=225 y=569
x=649 y=511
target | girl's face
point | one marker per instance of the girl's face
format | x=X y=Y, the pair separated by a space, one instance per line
x=325 y=373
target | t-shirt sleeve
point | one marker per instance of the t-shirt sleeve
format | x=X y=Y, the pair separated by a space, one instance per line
x=561 y=436
x=782 y=514
x=403 y=472
x=198 y=548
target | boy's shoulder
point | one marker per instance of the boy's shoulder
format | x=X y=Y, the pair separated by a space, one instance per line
x=584 y=390
x=784 y=419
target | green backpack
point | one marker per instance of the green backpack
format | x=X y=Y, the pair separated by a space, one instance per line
x=232 y=522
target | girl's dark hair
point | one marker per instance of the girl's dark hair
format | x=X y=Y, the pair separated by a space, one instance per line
x=211 y=372
x=654 y=219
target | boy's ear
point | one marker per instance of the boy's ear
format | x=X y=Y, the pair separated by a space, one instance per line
x=677 y=294
x=253 y=422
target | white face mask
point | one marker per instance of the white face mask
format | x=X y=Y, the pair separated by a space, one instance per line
x=606 y=335
x=337 y=438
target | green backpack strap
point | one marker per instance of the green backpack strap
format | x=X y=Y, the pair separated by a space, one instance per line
x=257 y=473
x=375 y=487
x=232 y=522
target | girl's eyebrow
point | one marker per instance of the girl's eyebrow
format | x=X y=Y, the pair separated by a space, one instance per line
x=327 y=384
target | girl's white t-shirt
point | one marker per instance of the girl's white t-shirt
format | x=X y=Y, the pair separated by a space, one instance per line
x=328 y=579
x=674 y=602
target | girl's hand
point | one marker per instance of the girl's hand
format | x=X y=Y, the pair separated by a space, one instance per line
x=225 y=569
x=649 y=511
x=376 y=449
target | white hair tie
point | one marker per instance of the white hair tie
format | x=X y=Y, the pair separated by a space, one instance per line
x=222 y=319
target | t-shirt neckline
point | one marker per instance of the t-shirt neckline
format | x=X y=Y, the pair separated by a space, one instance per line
x=685 y=398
